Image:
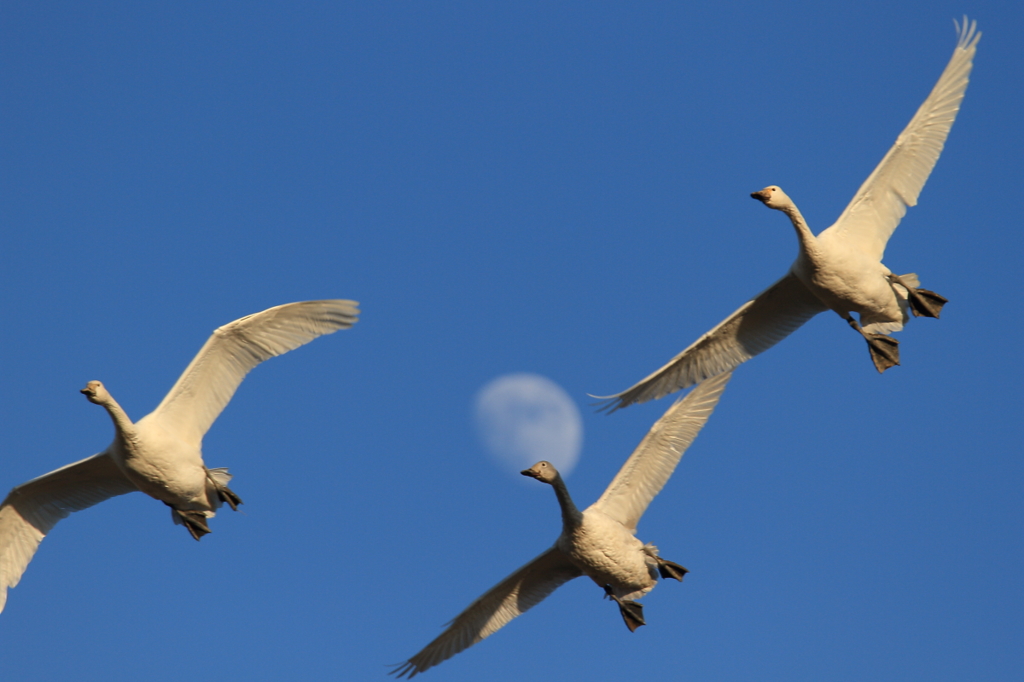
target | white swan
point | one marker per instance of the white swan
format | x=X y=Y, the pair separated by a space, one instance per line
x=599 y=542
x=161 y=454
x=841 y=269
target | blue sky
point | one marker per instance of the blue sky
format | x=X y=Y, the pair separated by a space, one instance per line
x=557 y=188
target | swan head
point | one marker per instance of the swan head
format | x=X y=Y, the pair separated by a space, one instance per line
x=544 y=472
x=95 y=393
x=772 y=196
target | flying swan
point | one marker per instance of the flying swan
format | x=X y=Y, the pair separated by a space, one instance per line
x=161 y=454
x=841 y=268
x=598 y=543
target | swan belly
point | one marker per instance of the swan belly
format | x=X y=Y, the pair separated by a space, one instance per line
x=165 y=468
x=609 y=554
x=850 y=282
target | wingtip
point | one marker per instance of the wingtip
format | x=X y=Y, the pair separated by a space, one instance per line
x=606 y=403
x=400 y=670
x=967 y=32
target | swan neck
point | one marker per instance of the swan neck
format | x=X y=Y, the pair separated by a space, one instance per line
x=803 y=232
x=571 y=516
x=122 y=424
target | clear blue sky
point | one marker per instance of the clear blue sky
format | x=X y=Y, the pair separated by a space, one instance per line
x=559 y=188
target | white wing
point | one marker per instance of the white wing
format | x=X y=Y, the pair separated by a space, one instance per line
x=758 y=325
x=881 y=202
x=33 y=508
x=233 y=350
x=650 y=466
x=512 y=597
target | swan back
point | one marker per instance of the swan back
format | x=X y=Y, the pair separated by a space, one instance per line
x=650 y=466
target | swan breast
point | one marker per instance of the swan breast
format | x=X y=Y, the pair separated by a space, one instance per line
x=609 y=554
x=847 y=280
x=163 y=466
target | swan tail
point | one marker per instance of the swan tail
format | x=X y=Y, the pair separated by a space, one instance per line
x=220 y=475
x=910 y=280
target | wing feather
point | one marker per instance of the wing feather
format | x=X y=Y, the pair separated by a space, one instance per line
x=650 y=466
x=207 y=384
x=512 y=597
x=758 y=325
x=881 y=202
x=32 y=509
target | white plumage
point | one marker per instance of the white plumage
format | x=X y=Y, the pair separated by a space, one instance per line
x=841 y=268
x=598 y=542
x=161 y=454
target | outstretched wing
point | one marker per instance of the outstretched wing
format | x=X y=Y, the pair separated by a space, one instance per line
x=758 y=325
x=33 y=508
x=512 y=597
x=882 y=201
x=650 y=466
x=233 y=350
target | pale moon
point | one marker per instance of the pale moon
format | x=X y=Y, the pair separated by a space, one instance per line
x=525 y=418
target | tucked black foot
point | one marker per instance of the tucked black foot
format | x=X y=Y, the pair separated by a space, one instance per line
x=224 y=493
x=923 y=303
x=632 y=611
x=228 y=495
x=668 y=569
x=885 y=351
x=926 y=303
x=632 y=614
x=194 y=521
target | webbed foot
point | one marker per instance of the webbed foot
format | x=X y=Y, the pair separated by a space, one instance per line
x=669 y=569
x=228 y=495
x=926 y=303
x=194 y=521
x=224 y=493
x=632 y=611
x=923 y=303
x=885 y=350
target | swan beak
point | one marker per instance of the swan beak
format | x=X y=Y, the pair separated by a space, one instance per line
x=87 y=392
x=761 y=196
x=529 y=472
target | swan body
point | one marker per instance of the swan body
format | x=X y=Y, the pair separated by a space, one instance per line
x=609 y=554
x=161 y=454
x=840 y=269
x=599 y=542
x=153 y=459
